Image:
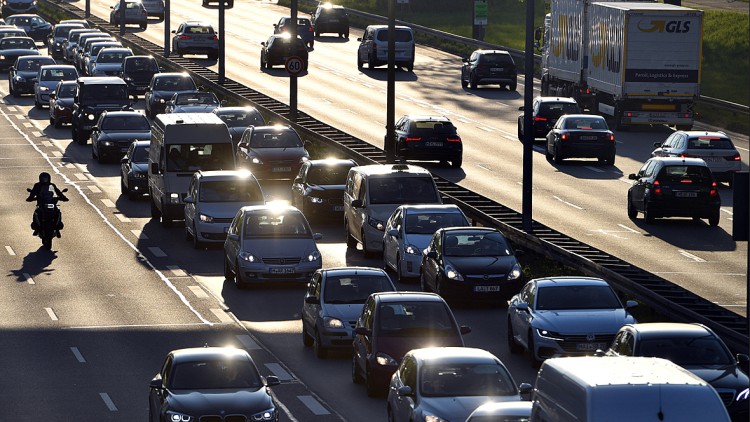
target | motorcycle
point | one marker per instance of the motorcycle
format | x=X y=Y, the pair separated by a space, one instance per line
x=49 y=219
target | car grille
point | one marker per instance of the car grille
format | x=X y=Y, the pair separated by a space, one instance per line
x=335 y=201
x=727 y=396
x=485 y=278
x=223 y=220
x=281 y=261
x=569 y=342
x=217 y=418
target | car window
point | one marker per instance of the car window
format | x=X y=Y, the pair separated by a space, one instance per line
x=710 y=143
x=280 y=139
x=138 y=123
x=465 y=379
x=354 y=289
x=429 y=223
x=402 y=35
x=409 y=373
x=275 y=225
x=327 y=175
x=585 y=123
x=241 y=118
x=415 y=318
x=175 y=83
x=58 y=75
x=496 y=59
x=428 y=127
x=199 y=30
x=140 y=154
x=231 y=191
x=576 y=297
x=476 y=244
x=679 y=173
x=214 y=374
x=402 y=190
x=704 y=350
x=556 y=110
x=189 y=157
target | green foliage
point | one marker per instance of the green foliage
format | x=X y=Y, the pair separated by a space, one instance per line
x=725 y=41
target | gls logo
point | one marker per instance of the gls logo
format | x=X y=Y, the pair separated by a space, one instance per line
x=677 y=27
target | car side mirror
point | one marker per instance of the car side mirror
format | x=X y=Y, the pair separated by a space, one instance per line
x=432 y=254
x=392 y=232
x=312 y=300
x=405 y=390
x=156 y=382
x=124 y=160
x=465 y=329
x=317 y=236
x=525 y=388
x=522 y=307
x=154 y=168
x=233 y=237
x=362 y=331
x=263 y=43
x=633 y=176
x=357 y=203
x=631 y=304
x=272 y=380
x=64 y=190
x=174 y=31
x=359 y=39
x=188 y=200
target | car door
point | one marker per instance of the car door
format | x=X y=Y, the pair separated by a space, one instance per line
x=641 y=184
x=232 y=246
x=391 y=241
x=158 y=396
x=520 y=320
x=190 y=207
x=403 y=405
x=310 y=311
x=431 y=266
x=365 y=45
x=362 y=343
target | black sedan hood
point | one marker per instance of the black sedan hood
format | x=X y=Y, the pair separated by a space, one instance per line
x=142 y=76
x=480 y=265
x=126 y=135
x=230 y=402
x=65 y=102
x=168 y=94
x=720 y=376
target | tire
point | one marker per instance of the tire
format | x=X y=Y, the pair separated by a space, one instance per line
x=213 y=56
x=351 y=242
x=456 y=163
x=123 y=188
x=514 y=347
x=372 y=389
x=632 y=211
x=399 y=276
x=535 y=363
x=611 y=160
x=188 y=236
x=360 y=64
x=464 y=82
x=346 y=34
x=473 y=81
x=37 y=104
x=520 y=130
x=311 y=44
x=713 y=219
x=307 y=340
x=320 y=351
x=548 y=155
x=648 y=216
x=197 y=244
x=228 y=274
x=367 y=253
x=410 y=67
x=356 y=376
x=513 y=86
x=556 y=158
x=144 y=26
x=440 y=288
x=317 y=34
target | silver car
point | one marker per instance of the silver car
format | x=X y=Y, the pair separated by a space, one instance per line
x=333 y=302
x=154 y=8
x=565 y=316
x=448 y=383
x=135 y=14
x=109 y=61
x=715 y=148
x=270 y=244
x=193 y=102
x=213 y=199
x=48 y=78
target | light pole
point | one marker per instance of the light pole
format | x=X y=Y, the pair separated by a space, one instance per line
x=222 y=9
x=293 y=77
x=167 y=41
x=390 y=118
x=528 y=130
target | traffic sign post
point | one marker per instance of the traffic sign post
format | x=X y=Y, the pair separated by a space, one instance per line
x=294 y=65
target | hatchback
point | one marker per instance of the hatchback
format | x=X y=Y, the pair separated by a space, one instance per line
x=109 y=61
x=329 y=18
x=134 y=170
x=23 y=75
x=373 y=47
x=674 y=187
x=47 y=79
x=213 y=199
x=489 y=67
x=115 y=131
x=61 y=102
x=581 y=135
x=393 y=323
x=304 y=29
x=195 y=37
x=193 y=102
x=135 y=14
x=427 y=138
x=277 y=49
x=544 y=114
x=715 y=148
x=272 y=152
x=137 y=72
x=334 y=300
x=318 y=189
x=58 y=36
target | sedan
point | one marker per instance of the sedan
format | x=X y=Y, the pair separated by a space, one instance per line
x=565 y=316
x=472 y=263
x=427 y=138
x=58 y=36
x=409 y=230
x=34 y=25
x=318 y=189
x=517 y=411
x=195 y=37
x=272 y=152
x=581 y=135
x=23 y=74
x=61 y=103
x=270 y=244
x=193 y=102
x=448 y=383
x=304 y=29
x=195 y=384
x=238 y=119
x=115 y=131
x=48 y=78
x=8 y=57
x=277 y=49
x=134 y=170
x=715 y=148
x=485 y=67
x=161 y=89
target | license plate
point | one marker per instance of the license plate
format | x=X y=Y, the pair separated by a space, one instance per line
x=588 y=138
x=333 y=20
x=433 y=144
x=486 y=288
x=590 y=347
x=338 y=208
x=283 y=270
x=497 y=69
x=686 y=194
x=713 y=159
x=281 y=169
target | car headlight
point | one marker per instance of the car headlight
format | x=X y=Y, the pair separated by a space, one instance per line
x=313 y=256
x=452 y=274
x=549 y=334
x=375 y=223
x=315 y=200
x=256 y=160
x=2 y=57
x=178 y=417
x=206 y=218
x=90 y=116
x=332 y=322
x=19 y=78
x=433 y=418
x=412 y=250
x=162 y=100
x=515 y=272
x=107 y=143
x=247 y=256
x=128 y=79
x=174 y=198
x=43 y=88
x=266 y=415
x=383 y=359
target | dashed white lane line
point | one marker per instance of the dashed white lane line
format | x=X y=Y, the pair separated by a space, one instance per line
x=223 y=317
x=107 y=203
x=51 y=314
x=198 y=292
x=28 y=278
x=567 y=203
x=629 y=229
x=726 y=211
x=35 y=133
x=80 y=176
x=486 y=129
x=28 y=125
x=248 y=342
x=140 y=235
x=691 y=256
x=157 y=252
x=47 y=144
x=94 y=189
x=176 y=271
x=20 y=116
x=483 y=167
x=10 y=251
x=108 y=402
x=280 y=372
x=57 y=154
x=122 y=218
x=315 y=407
x=78 y=355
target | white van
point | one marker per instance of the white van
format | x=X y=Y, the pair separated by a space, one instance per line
x=373 y=47
x=182 y=144
x=622 y=389
x=372 y=194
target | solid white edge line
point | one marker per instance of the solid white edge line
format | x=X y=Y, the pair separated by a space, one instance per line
x=108 y=402
x=78 y=355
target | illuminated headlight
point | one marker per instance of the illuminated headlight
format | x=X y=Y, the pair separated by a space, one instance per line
x=247 y=256
x=266 y=415
x=19 y=78
x=549 y=334
x=303 y=159
x=315 y=200
x=107 y=143
x=128 y=79
x=453 y=274
x=206 y=218
x=383 y=359
x=375 y=223
x=412 y=250
x=313 y=256
x=433 y=418
x=43 y=88
x=515 y=272
x=174 y=198
x=60 y=107
x=90 y=116
x=743 y=395
x=332 y=322
x=179 y=417
x=2 y=57
x=256 y=160
x=162 y=100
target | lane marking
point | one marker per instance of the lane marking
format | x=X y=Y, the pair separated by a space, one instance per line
x=486 y=129
x=122 y=217
x=140 y=235
x=94 y=189
x=108 y=402
x=726 y=211
x=109 y=327
x=28 y=125
x=176 y=271
x=78 y=355
x=47 y=144
x=28 y=278
x=107 y=203
x=157 y=252
x=51 y=314
x=80 y=176
x=629 y=229
x=56 y=154
x=483 y=167
x=198 y=292
x=10 y=251
x=279 y=371
x=248 y=342
x=567 y=203
x=691 y=256
x=315 y=407
x=223 y=317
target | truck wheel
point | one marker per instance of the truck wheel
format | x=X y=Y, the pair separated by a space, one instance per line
x=155 y=212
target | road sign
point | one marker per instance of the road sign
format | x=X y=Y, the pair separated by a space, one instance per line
x=294 y=65
x=480 y=12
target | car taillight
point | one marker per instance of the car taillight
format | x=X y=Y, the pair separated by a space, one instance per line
x=564 y=136
x=612 y=138
x=657 y=188
x=413 y=139
x=687 y=181
x=713 y=191
x=309 y=29
x=735 y=157
x=215 y=38
x=685 y=155
x=454 y=139
x=540 y=119
x=184 y=37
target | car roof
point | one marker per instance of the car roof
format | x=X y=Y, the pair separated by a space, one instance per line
x=680 y=161
x=208 y=353
x=100 y=80
x=330 y=6
x=556 y=100
x=333 y=162
x=274 y=128
x=119 y=113
x=658 y=329
x=425 y=117
x=453 y=355
x=211 y=175
x=395 y=297
x=279 y=208
x=699 y=133
x=235 y=109
x=172 y=74
x=492 y=51
x=378 y=27
x=471 y=229
x=582 y=116
x=423 y=208
x=197 y=23
x=340 y=271
x=115 y=50
x=386 y=169
x=569 y=281
x=57 y=66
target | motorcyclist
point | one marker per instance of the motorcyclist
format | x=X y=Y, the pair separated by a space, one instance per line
x=44 y=192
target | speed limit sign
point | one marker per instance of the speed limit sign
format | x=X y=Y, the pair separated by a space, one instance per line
x=294 y=65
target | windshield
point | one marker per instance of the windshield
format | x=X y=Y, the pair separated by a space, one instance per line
x=415 y=319
x=67 y=91
x=476 y=244
x=33 y=64
x=585 y=123
x=214 y=374
x=704 y=350
x=553 y=298
x=270 y=224
x=194 y=157
x=402 y=190
x=141 y=65
x=354 y=289
x=327 y=175
x=244 y=190
x=107 y=57
x=280 y=139
x=241 y=118
x=140 y=154
x=130 y=123
x=428 y=223
x=174 y=83
x=9 y=43
x=59 y=74
x=466 y=379
x=197 y=98
x=104 y=92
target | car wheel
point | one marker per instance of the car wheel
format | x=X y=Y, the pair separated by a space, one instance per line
x=514 y=347
x=632 y=211
x=520 y=130
x=351 y=242
x=410 y=67
x=311 y=44
x=456 y=162
x=556 y=157
x=464 y=82
x=535 y=363
x=213 y=55
x=360 y=64
x=370 y=386
x=317 y=34
x=307 y=340
x=399 y=275
x=318 y=349
x=356 y=376
x=473 y=81
x=648 y=215
x=228 y=273
x=14 y=91
x=37 y=104
x=548 y=155
x=366 y=252
x=346 y=34
x=188 y=236
x=99 y=158
x=440 y=287
x=513 y=86
x=123 y=188
x=422 y=283
x=197 y=244
x=713 y=219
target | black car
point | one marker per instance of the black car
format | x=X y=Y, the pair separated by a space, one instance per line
x=330 y=18
x=544 y=114
x=696 y=348
x=199 y=383
x=9 y=56
x=137 y=72
x=95 y=95
x=393 y=323
x=318 y=189
x=581 y=136
x=427 y=138
x=473 y=263
x=23 y=74
x=674 y=187
x=304 y=29
x=61 y=103
x=238 y=119
x=58 y=36
x=485 y=67
x=161 y=89
x=271 y=152
x=134 y=170
x=34 y=25
x=115 y=131
x=277 y=49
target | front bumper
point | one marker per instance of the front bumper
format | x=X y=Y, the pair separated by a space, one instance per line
x=337 y=338
x=212 y=232
x=138 y=185
x=259 y=272
x=570 y=345
x=475 y=288
x=410 y=265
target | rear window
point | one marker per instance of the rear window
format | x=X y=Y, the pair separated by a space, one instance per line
x=402 y=190
x=402 y=35
x=696 y=174
x=415 y=319
x=500 y=59
x=710 y=142
x=199 y=30
x=246 y=190
x=428 y=127
x=558 y=109
x=586 y=123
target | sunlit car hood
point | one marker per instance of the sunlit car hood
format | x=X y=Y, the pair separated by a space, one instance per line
x=720 y=376
x=420 y=241
x=274 y=247
x=381 y=211
x=458 y=408
x=245 y=402
x=272 y=154
x=203 y=108
x=482 y=264
x=224 y=209
x=396 y=347
x=582 y=321
x=344 y=312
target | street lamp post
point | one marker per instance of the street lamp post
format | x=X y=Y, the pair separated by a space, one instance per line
x=293 y=77
x=390 y=137
x=528 y=130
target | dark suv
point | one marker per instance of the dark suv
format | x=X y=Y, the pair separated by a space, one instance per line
x=674 y=187
x=137 y=72
x=331 y=18
x=271 y=152
x=545 y=112
x=428 y=138
x=485 y=67
x=93 y=96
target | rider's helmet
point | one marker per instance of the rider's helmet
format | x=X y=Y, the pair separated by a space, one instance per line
x=44 y=177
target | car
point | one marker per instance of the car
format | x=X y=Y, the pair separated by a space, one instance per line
x=70 y=45
x=11 y=31
x=391 y=324
x=696 y=348
x=238 y=119
x=135 y=14
x=515 y=411
x=83 y=22
x=47 y=79
x=448 y=383
x=23 y=74
x=34 y=25
x=409 y=230
x=11 y=48
x=674 y=187
x=565 y=316
x=544 y=114
x=332 y=303
x=137 y=72
x=134 y=170
x=270 y=244
x=193 y=102
x=581 y=135
x=271 y=152
x=83 y=41
x=330 y=18
x=109 y=61
x=57 y=37
x=304 y=29
x=96 y=94
x=91 y=53
x=195 y=37
x=373 y=47
x=194 y=384
x=61 y=101
x=422 y=137
x=489 y=67
x=470 y=263
x=162 y=87
x=279 y=47
x=318 y=189
x=154 y=8
x=115 y=131
x=715 y=148
x=12 y=7
x=213 y=199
